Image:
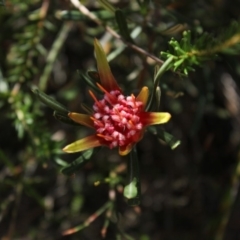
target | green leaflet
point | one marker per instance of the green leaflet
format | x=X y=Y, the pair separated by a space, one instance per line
x=75 y=15
x=79 y=162
x=168 y=138
x=50 y=102
x=64 y=119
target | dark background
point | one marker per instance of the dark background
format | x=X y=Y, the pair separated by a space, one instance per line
x=189 y=193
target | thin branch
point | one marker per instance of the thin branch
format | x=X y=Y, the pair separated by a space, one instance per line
x=94 y=18
x=234 y=40
x=89 y=220
x=51 y=58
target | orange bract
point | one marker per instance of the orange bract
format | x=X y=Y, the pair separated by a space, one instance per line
x=119 y=121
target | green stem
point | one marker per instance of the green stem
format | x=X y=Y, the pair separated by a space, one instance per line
x=90 y=219
x=160 y=72
x=51 y=58
x=132 y=191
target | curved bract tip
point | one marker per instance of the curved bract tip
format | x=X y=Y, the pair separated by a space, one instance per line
x=107 y=79
x=152 y=118
x=83 y=144
x=143 y=96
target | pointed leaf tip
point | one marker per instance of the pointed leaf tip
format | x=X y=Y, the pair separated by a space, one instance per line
x=143 y=96
x=83 y=144
x=152 y=118
x=107 y=79
x=50 y=102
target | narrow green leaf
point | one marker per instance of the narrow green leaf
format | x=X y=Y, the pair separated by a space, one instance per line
x=41 y=49
x=122 y=25
x=60 y=162
x=70 y=15
x=87 y=109
x=79 y=162
x=89 y=82
x=132 y=190
x=49 y=25
x=156 y=80
x=175 y=29
x=33 y=16
x=53 y=53
x=94 y=75
x=78 y=16
x=25 y=47
x=107 y=5
x=64 y=119
x=50 y=102
x=178 y=62
x=168 y=138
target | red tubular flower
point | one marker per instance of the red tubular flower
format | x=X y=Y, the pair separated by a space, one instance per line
x=118 y=120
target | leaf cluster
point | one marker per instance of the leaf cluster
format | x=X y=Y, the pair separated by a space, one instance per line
x=27 y=47
x=188 y=52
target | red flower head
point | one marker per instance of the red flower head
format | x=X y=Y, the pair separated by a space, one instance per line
x=118 y=120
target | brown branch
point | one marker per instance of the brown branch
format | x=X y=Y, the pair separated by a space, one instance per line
x=93 y=17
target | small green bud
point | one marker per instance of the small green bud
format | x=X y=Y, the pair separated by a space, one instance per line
x=131 y=191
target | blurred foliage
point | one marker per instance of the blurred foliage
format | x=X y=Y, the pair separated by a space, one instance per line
x=189 y=168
